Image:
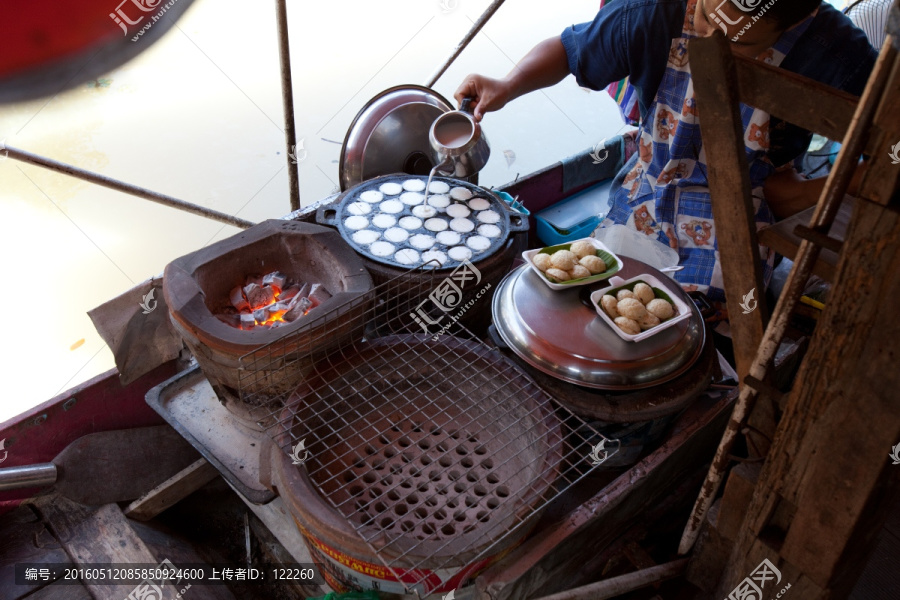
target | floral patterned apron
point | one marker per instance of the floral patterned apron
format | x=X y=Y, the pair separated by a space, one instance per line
x=666 y=194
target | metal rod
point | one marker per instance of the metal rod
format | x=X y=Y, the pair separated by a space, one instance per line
x=121 y=186
x=823 y=216
x=26 y=476
x=484 y=18
x=616 y=586
x=287 y=100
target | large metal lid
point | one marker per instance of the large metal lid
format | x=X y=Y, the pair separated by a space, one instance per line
x=559 y=333
x=390 y=135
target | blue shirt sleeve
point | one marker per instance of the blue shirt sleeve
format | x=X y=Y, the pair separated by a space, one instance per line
x=628 y=38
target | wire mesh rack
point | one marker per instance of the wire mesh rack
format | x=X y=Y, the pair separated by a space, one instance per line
x=436 y=450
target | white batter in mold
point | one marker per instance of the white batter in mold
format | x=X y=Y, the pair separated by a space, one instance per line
x=356 y=222
x=435 y=224
x=390 y=189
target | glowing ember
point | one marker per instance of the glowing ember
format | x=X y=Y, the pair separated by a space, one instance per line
x=270 y=301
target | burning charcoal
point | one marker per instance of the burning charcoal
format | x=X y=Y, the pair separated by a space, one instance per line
x=288 y=293
x=275 y=279
x=261 y=314
x=259 y=296
x=234 y=320
x=293 y=301
x=237 y=299
x=277 y=310
x=304 y=290
x=298 y=310
x=247 y=321
x=318 y=294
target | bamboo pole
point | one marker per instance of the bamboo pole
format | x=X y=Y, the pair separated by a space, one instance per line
x=287 y=101
x=121 y=186
x=484 y=18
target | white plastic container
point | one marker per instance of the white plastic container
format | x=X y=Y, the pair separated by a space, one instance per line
x=607 y=257
x=660 y=289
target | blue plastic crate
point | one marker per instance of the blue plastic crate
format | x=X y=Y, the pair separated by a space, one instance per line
x=575 y=217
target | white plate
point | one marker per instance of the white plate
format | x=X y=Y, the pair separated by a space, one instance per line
x=682 y=310
x=528 y=255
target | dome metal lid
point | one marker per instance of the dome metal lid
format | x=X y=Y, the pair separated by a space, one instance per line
x=560 y=334
x=390 y=135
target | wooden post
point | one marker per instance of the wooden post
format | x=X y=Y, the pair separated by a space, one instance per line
x=718 y=105
x=830 y=455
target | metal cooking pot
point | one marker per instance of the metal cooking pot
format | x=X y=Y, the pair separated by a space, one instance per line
x=630 y=392
x=459 y=141
x=559 y=333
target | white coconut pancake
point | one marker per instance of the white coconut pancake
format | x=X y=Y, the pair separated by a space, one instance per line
x=421 y=241
x=371 y=196
x=412 y=198
x=414 y=185
x=488 y=216
x=460 y=193
x=392 y=207
x=448 y=238
x=382 y=249
x=438 y=187
x=439 y=201
x=410 y=223
x=356 y=222
x=478 y=243
x=396 y=235
x=359 y=208
x=458 y=210
x=459 y=253
x=390 y=189
x=364 y=237
x=491 y=231
x=407 y=256
x=423 y=211
x=383 y=221
x=479 y=204
x=435 y=224
x=462 y=225
x=433 y=255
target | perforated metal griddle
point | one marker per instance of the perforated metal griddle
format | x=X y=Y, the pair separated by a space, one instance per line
x=335 y=215
x=437 y=458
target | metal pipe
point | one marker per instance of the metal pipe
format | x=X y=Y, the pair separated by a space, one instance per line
x=616 y=586
x=287 y=101
x=121 y=186
x=484 y=18
x=824 y=214
x=26 y=476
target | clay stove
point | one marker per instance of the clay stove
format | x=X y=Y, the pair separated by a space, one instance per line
x=198 y=285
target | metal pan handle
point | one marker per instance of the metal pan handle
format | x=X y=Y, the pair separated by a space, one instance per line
x=518 y=223
x=327 y=215
x=465 y=104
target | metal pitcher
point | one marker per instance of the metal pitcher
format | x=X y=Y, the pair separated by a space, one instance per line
x=460 y=143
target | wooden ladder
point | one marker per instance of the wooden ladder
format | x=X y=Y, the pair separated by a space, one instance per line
x=867 y=125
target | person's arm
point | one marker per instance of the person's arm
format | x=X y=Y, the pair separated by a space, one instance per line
x=545 y=65
x=787 y=193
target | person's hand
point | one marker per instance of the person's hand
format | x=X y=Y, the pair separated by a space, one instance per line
x=488 y=94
